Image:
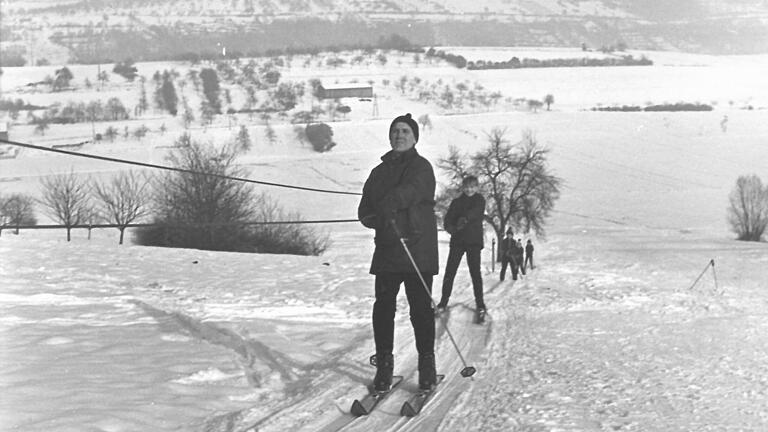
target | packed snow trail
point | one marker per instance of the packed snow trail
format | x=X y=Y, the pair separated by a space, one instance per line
x=471 y=339
x=328 y=390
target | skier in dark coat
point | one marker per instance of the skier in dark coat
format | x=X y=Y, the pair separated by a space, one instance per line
x=401 y=190
x=508 y=246
x=528 y=254
x=520 y=257
x=464 y=221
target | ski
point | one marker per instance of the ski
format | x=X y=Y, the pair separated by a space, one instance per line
x=415 y=403
x=364 y=406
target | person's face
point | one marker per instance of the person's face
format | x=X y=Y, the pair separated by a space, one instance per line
x=470 y=188
x=401 y=137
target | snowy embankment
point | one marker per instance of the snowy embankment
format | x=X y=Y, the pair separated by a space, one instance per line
x=604 y=334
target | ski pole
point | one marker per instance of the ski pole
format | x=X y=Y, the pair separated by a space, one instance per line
x=493 y=255
x=702 y=274
x=467 y=371
x=714 y=275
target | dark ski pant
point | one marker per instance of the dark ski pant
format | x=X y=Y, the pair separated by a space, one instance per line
x=520 y=264
x=508 y=261
x=528 y=259
x=420 y=303
x=473 y=262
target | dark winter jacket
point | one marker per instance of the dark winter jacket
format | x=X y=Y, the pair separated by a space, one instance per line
x=508 y=247
x=401 y=187
x=529 y=249
x=464 y=220
x=519 y=253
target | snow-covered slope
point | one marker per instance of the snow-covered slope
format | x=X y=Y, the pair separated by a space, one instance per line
x=609 y=332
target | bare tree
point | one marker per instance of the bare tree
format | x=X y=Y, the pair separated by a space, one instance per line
x=67 y=199
x=200 y=210
x=748 y=210
x=269 y=132
x=42 y=126
x=549 y=100
x=534 y=104
x=187 y=117
x=123 y=200
x=519 y=187
x=204 y=207
x=17 y=210
x=111 y=132
x=425 y=121
x=140 y=132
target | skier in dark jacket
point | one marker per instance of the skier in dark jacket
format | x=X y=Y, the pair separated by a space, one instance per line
x=528 y=254
x=464 y=221
x=508 y=246
x=520 y=257
x=401 y=191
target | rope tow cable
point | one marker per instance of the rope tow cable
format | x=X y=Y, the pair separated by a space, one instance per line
x=163 y=167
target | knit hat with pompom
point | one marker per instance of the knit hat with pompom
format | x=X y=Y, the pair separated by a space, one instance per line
x=407 y=119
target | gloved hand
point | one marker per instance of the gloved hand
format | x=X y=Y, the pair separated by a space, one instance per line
x=388 y=206
x=370 y=221
x=461 y=223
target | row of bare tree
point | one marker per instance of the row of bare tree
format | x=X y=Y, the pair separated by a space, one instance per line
x=69 y=199
x=520 y=189
x=199 y=203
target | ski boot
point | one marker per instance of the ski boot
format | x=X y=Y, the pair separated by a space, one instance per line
x=427 y=371
x=385 y=364
x=441 y=308
x=480 y=315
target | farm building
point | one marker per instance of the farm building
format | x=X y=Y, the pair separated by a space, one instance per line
x=338 y=91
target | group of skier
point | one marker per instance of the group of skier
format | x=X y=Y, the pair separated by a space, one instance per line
x=514 y=255
x=398 y=201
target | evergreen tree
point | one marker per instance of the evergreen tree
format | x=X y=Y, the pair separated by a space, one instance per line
x=243 y=139
x=143 y=103
x=211 y=89
x=168 y=91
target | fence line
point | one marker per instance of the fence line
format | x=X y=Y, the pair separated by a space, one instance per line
x=174 y=225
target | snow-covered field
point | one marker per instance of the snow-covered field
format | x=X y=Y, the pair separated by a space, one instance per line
x=607 y=333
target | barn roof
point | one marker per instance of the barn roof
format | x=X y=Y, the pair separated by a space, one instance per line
x=346 y=86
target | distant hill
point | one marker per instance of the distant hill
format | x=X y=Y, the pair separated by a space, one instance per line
x=88 y=31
